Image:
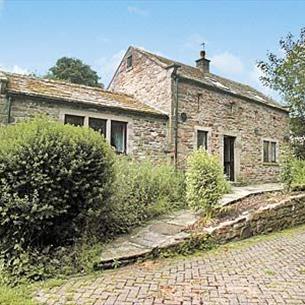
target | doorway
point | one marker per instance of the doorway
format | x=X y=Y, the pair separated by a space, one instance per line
x=229 y=157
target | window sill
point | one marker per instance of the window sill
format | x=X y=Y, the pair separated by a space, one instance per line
x=128 y=69
x=271 y=164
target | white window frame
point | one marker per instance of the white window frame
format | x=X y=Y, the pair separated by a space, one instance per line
x=277 y=148
x=208 y=130
x=104 y=116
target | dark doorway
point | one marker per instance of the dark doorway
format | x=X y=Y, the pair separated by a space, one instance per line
x=228 y=157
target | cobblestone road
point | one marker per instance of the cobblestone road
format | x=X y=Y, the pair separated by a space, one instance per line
x=270 y=270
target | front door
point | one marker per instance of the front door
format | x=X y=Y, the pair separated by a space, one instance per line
x=228 y=157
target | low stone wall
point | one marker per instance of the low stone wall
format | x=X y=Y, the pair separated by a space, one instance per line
x=274 y=217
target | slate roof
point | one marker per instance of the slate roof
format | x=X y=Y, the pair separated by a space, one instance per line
x=214 y=81
x=58 y=90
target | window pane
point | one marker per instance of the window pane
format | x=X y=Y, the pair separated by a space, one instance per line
x=273 y=152
x=118 y=136
x=129 y=61
x=202 y=139
x=98 y=125
x=266 y=151
x=74 y=120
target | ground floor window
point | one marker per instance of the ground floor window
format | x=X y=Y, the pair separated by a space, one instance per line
x=202 y=139
x=74 y=120
x=99 y=125
x=270 y=151
x=117 y=135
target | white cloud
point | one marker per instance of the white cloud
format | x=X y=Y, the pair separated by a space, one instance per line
x=227 y=63
x=14 y=69
x=254 y=80
x=137 y=11
x=106 y=66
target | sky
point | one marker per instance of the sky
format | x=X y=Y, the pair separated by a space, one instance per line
x=34 y=34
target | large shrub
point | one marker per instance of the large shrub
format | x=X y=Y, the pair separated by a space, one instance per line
x=293 y=172
x=205 y=181
x=54 y=180
x=141 y=191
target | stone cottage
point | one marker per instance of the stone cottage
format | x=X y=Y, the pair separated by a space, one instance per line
x=130 y=126
x=239 y=124
x=162 y=109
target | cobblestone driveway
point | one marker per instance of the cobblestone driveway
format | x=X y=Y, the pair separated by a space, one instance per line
x=270 y=270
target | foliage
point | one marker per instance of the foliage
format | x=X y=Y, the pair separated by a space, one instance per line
x=286 y=74
x=142 y=191
x=205 y=181
x=54 y=184
x=15 y=296
x=293 y=172
x=75 y=71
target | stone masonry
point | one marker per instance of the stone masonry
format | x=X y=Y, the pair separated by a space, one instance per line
x=165 y=107
x=222 y=114
x=210 y=103
x=146 y=133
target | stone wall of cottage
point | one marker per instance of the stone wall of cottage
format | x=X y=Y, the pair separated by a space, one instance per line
x=222 y=114
x=145 y=80
x=3 y=114
x=147 y=135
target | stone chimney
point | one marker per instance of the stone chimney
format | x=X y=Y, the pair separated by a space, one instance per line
x=202 y=63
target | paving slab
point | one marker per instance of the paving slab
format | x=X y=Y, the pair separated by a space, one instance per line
x=168 y=230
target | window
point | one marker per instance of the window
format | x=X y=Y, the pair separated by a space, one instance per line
x=75 y=120
x=129 y=62
x=273 y=152
x=118 y=136
x=98 y=125
x=270 y=151
x=115 y=132
x=202 y=139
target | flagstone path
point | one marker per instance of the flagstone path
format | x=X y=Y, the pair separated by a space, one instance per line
x=167 y=231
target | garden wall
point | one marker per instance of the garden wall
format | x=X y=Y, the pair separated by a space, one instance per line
x=274 y=217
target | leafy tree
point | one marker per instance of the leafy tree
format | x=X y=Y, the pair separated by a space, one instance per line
x=286 y=75
x=75 y=71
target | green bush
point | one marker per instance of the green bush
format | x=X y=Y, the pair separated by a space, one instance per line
x=54 y=182
x=142 y=191
x=205 y=181
x=293 y=172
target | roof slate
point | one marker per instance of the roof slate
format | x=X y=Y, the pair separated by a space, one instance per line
x=214 y=81
x=37 y=87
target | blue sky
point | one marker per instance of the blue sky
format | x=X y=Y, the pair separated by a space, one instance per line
x=34 y=34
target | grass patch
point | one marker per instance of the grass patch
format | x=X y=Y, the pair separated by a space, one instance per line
x=15 y=296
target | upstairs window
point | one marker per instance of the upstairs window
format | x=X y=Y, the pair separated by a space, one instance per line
x=202 y=139
x=98 y=125
x=270 y=151
x=75 y=120
x=119 y=136
x=129 y=62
